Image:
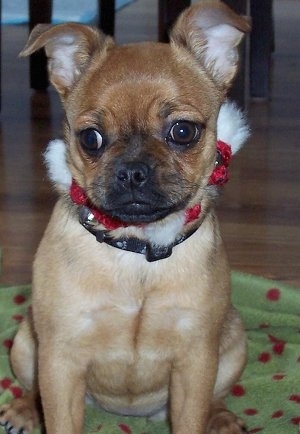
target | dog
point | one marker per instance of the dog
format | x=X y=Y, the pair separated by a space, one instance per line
x=131 y=284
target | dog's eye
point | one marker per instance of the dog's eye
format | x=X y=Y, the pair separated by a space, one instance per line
x=91 y=141
x=183 y=133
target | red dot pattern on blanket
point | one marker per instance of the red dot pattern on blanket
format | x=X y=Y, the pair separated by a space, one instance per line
x=273 y=294
x=278 y=377
x=273 y=348
x=295 y=398
x=278 y=348
x=125 y=428
x=8 y=343
x=5 y=383
x=264 y=357
x=277 y=414
x=296 y=420
x=278 y=344
x=19 y=299
x=264 y=326
x=267 y=358
x=250 y=411
x=238 y=390
x=17 y=392
x=17 y=318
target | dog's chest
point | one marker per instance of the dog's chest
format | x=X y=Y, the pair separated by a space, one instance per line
x=138 y=314
x=132 y=340
x=127 y=329
x=132 y=321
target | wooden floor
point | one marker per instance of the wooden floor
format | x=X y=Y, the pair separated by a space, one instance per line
x=260 y=207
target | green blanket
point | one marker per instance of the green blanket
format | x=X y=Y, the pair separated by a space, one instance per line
x=267 y=396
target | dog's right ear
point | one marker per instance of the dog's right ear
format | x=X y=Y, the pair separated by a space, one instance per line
x=69 y=48
x=211 y=32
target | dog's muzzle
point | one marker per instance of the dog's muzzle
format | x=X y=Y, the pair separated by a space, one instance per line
x=130 y=178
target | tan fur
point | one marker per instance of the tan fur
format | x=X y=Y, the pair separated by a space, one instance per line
x=131 y=334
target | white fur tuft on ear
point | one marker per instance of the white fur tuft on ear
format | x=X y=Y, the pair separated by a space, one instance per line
x=232 y=127
x=61 y=60
x=56 y=162
x=221 y=51
x=211 y=32
x=69 y=48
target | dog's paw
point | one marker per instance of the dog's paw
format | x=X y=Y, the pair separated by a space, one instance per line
x=18 y=417
x=226 y=422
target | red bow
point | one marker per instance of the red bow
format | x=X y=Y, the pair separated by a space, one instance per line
x=79 y=197
x=220 y=174
x=218 y=177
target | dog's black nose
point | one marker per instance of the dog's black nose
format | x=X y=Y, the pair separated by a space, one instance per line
x=133 y=174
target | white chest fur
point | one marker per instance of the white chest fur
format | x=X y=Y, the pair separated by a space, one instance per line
x=126 y=329
x=135 y=345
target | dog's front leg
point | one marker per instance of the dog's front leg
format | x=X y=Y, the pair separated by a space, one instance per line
x=62 y=388
x=192 y=384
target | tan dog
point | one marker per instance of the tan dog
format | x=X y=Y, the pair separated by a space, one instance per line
x=140 y=321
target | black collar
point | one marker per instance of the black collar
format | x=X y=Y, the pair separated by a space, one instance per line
x=152 y=252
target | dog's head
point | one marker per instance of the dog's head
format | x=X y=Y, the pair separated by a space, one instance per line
x=141 y=119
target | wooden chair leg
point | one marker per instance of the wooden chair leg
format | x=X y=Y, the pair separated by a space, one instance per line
x=239 y=91
x=0 y=50
x=40 y=11
x=168 y=11
x=106 y=21
x=261 y=46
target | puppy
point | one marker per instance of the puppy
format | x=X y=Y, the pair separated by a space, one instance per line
x=131 y=285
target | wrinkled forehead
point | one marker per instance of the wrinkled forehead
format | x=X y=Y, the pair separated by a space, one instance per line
x=146 y=81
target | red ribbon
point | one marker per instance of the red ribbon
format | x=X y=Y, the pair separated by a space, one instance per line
x=218 y=177
x=79 y=197
x=220 y=174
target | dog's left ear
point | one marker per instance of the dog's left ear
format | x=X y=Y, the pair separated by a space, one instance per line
x=211 y=32
x=70 y=49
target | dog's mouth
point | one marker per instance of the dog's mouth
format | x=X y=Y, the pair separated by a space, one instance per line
x=136 y=213
x=127 y=213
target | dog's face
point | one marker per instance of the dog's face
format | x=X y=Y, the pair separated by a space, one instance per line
x=142 y=133
x=141 y=119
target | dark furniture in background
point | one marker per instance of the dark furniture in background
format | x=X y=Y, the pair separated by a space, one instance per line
x=40 y=11
x=254 y=75
x=261 y=47
x=255 y=64
x=168 y=11
x=0 y=48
